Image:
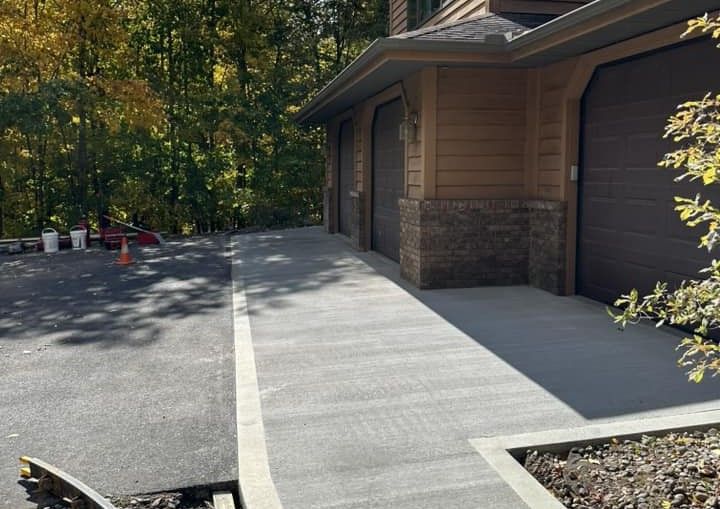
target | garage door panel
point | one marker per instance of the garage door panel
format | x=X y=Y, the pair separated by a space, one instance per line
x=629 y=234
x=644 y=144
x=677 y=231
x=641 y=218
x=638 y=250
x=691 y=80
x=601 y=182
x=606 y=120
x=602 y=215
x=388 y=180
x=637 y=71
x=596 y=238
x=604 y=279
x=603 y=153
x=614 y=84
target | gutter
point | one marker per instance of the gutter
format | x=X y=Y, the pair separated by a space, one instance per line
x=568 y=20
x=372 y=51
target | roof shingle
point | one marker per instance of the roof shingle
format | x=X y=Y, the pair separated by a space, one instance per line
x=477 y=28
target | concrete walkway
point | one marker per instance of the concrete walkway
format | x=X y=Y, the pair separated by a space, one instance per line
x=370 y=390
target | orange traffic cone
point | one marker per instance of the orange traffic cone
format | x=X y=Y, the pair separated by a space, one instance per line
x=124 y=258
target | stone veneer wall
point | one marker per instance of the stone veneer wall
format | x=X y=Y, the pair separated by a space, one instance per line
x=463 y=243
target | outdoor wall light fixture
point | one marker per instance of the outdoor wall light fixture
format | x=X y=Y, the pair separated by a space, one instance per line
x=408 y=127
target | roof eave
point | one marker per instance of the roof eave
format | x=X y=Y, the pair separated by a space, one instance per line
x=542 y=45
x=566 y=21
x=376 y=51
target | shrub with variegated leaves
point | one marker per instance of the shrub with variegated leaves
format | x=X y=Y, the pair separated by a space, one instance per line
x=694 y=304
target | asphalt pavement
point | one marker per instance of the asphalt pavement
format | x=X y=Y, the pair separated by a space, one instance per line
x=122 y=376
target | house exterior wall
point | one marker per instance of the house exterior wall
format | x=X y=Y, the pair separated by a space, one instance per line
x=362 y=115
x=398 y=17
x=481 y=130
x=456 y=10
x=551 y=125
x=460 y=243
x=489 y=198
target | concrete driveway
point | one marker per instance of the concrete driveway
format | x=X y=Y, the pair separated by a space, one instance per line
x=122 y=376
x=370 y=390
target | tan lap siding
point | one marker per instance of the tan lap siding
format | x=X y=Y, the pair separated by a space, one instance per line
x=358 y=152
x=553 y=81
x=481 y=133
x=413 y=147
x=398 y=16
x=457 y=9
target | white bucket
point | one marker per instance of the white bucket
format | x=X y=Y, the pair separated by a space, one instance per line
x=50 y=240
x=78 y=237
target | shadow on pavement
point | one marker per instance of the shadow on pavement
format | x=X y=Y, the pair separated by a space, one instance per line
x=566 y=345
x=83 y=297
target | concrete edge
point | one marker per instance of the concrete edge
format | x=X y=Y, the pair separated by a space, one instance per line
x=501 y=453
x=256 y=487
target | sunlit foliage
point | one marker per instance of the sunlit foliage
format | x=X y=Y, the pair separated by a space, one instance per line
x=695 y=304
x=180 y=111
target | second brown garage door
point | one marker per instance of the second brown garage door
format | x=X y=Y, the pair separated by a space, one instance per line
x=388 y=182
x=629 y=234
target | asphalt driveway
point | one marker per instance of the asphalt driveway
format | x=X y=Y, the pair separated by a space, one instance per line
x=122 y=376
x=370 y=389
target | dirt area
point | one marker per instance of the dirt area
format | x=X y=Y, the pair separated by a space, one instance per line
x=677 y=470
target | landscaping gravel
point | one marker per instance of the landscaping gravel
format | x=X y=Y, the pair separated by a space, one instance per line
x=172 y=500
x=677 y=470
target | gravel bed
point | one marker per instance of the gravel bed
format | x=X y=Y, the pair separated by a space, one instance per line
x=172 y=500
x=677 y=470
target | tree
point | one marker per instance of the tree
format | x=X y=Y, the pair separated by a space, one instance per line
x=180 y=110
x=65 y=96
x=695 y=304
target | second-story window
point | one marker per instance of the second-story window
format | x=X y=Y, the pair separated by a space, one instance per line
x=426 y=8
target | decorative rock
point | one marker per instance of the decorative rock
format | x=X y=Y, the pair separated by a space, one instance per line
x=678 y=470
x=678 y=500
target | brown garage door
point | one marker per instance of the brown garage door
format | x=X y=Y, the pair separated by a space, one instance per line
x=346 y=177
x=629 y=234
x=388 y=179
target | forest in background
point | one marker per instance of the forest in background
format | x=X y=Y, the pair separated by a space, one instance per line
x=179 y=111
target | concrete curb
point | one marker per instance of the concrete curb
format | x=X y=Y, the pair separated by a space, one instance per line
x=256 y=487
x=502 y=452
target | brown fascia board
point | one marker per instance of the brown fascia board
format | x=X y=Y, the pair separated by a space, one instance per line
x=592 y=26
x=583 y=20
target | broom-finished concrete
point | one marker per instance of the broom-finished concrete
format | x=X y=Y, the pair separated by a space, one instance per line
x=371 y=390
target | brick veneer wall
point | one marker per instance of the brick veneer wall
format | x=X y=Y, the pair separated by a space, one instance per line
x=357 y=221
x=329 y=215
x=546 y=263
x=463 y=243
